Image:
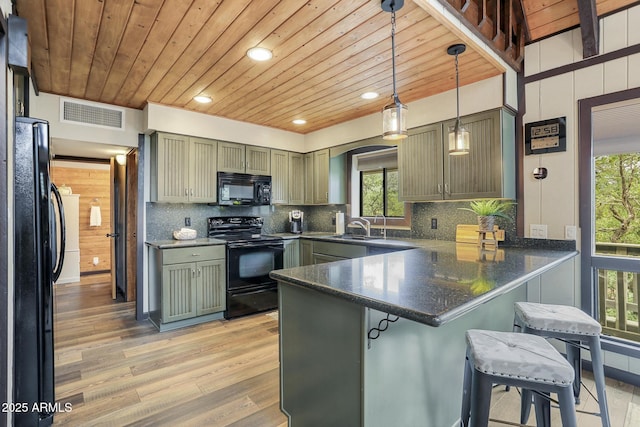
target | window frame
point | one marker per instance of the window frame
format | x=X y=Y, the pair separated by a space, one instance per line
x=376 y=222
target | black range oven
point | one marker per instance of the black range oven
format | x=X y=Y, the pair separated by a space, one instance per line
x=250 y=257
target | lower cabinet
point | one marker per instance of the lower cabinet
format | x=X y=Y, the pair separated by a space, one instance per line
x=291 y=253
x=330 y=251
x=187 y=285
x=306 y=252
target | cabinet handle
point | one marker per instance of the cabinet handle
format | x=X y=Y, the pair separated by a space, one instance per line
x=195 y=254
x=192 y=192
x=439 y=188
x=186 y=191
x=193 y=273
x=446 y=189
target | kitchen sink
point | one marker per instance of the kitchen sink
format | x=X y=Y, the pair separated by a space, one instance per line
x=355 y=237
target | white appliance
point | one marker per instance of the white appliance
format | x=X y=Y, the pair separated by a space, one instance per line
x=71 y=267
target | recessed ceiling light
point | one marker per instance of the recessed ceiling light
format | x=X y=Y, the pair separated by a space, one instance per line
x=369 y=95
x=259 y=54
x=299 y=121
x=203 y=99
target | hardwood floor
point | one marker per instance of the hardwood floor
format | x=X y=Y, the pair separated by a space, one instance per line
x=116 y=371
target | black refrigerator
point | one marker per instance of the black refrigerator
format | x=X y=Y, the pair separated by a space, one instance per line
x=37 y=265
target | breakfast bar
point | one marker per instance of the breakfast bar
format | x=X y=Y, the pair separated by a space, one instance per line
x=379 y=340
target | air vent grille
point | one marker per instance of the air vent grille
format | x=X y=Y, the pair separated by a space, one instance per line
x=94 y=115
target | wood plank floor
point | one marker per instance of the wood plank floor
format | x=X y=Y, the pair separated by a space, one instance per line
x=116 y=371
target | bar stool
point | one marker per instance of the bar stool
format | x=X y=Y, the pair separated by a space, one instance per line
x=573 y=326
x=515 y=359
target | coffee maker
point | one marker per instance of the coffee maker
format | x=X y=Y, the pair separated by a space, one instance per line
x=296 y=219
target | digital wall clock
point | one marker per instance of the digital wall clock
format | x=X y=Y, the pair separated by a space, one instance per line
x=546 y=136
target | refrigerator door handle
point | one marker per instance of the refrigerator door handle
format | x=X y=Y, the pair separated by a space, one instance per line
x=57 y=268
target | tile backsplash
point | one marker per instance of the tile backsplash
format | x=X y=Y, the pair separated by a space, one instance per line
x=163 y=218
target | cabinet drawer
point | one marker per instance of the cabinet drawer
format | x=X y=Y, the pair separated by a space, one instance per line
x=192 y=254
x=342 y=250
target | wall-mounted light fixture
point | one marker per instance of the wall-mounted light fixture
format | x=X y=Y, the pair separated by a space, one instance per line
x=394 y=124
x=458 y=135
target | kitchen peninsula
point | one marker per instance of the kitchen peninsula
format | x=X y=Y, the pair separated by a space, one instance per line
x=379 y=340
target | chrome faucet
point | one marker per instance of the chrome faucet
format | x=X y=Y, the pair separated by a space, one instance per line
x=360 y=224
x=384 y=224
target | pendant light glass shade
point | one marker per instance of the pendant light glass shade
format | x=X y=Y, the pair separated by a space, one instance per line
x=394 y=124
x=459 y=137
x=394 y=115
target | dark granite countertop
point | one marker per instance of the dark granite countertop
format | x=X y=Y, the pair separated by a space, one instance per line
x=432 y=284
x=168 y=244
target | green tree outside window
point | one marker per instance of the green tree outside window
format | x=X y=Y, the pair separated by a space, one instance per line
x=379 y=193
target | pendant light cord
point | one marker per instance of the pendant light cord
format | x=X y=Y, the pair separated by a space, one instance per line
x=457 y=98
x=393 y=51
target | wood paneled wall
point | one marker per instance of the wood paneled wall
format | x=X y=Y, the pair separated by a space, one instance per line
x=90 y=182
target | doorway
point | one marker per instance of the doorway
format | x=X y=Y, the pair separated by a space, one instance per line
x=610 y=213
x=108 y=207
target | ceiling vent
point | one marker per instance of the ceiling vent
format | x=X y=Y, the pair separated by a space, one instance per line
x=91 y=114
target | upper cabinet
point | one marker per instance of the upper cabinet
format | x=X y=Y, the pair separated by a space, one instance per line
x=296 y=179
x=321 y=176
x=181 y=169
x=428 y=172
x=242 y=158
x=287 y=177
x=280 y=177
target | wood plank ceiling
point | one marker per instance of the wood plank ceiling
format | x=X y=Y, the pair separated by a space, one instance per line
x=326 y=54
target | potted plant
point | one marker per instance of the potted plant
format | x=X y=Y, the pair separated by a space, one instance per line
x=487 y=210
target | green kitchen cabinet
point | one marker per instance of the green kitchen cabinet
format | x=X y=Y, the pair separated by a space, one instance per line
x=324 y=178
x=308 y=178
x=306 y=252
x=187 y=285
x=291 y=256
x=428 y=172
x=287 y=177
x=241 y=158
x=181 y=169
x=296 y=178
x=279 y=177
x=321 y=177
x=331 y=251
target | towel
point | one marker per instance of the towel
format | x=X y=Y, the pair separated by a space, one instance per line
x=95 y=218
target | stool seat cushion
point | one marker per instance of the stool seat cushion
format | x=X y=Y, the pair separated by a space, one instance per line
x=515 y=355
x=557 y=318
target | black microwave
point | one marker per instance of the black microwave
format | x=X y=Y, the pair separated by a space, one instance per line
x=239 y=189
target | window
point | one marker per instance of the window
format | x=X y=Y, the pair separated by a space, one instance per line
x=375 y=187
x=379 y=193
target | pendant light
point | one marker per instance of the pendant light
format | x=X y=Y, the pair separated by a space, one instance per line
x=458 y=135
x=394 y=115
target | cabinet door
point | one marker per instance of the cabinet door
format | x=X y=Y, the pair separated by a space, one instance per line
x=258 y=160
x=178 y=292
x=211 y=293
x=477 y=174
x=170 y=168
x=308 y=179
x=202 y=172
x=296 y=179
x=291 y=253
x=321 y=176
x=231 y=157
x=280 y=176
x=306 y=252
x=420 y=169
